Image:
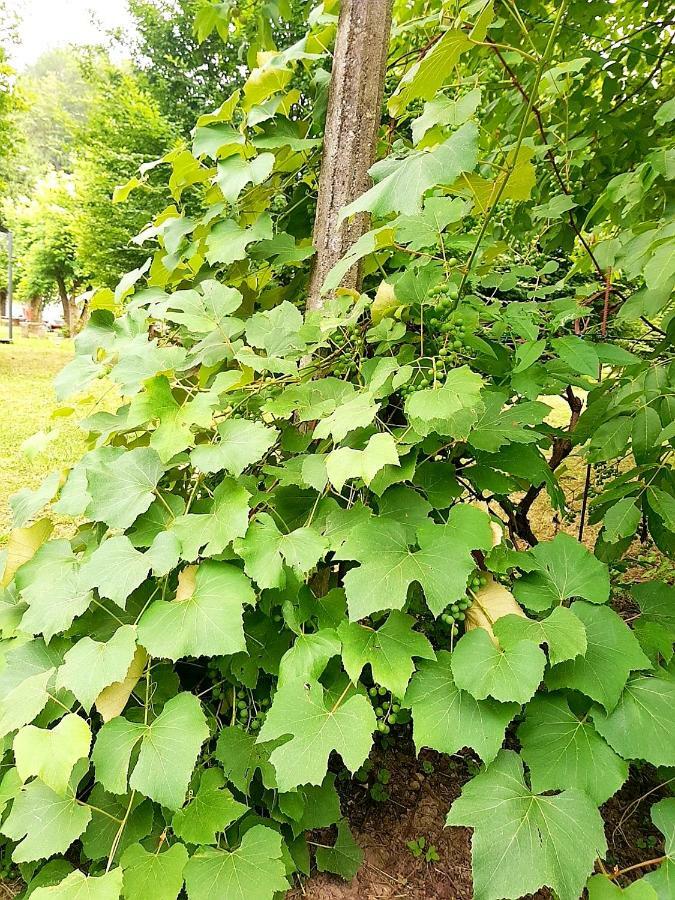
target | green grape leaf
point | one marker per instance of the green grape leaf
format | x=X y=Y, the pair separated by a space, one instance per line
x=235 y=172
x=447 y=719
x=209 y=813
x=655 y=627
x=441 y=566
x=510 y=671
x=24 y=681
x=204 y=310
x=523 y=841
x=51 y=754
x=663 y=879
x=500 y=424
x=254 y=871
x=228 y=241
x=562 y=632
x=621 y=520
x=264 y=550
x=241 y=756
x=344 y=858
x=425 y=77
x=121 y=490
x=355 y=413
x=204 y=619
x=308 y=656
x=90 y=666
x=153 y=876
x=451 y=410
x=241 y=444
x=344 y=463
x=389 y=650
x=641 y=724
x=44 y=822
x=107 y=811
x=400 y=184
x=209 y=533
x=299 y=710
x=562 y=751
x=311 y=399
x=563 y=568
x=601 y=888
x=78 y=886
x=51 y=584
x=613 y=652
x=116 y=569
x=169 y=749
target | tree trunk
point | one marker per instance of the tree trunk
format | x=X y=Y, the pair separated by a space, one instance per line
x=66 y=305
x=352 y=125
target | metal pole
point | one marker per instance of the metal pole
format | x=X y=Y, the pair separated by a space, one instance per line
x=10 y=286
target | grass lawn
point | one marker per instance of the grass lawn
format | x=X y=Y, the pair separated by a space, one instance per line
x=27 y=399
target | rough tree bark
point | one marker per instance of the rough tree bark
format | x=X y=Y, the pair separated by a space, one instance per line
x=352 y=125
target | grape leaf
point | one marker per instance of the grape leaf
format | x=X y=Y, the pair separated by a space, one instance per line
x=241 y=757
x=510 y=671
x=116 y=569
x=225 y=519
x=523 y=841
x=227 y=241
x=153 y=876
x=641 y=724
x=22 y=546
x=43 y=822
x=51 y=584
x=308 y=656
x=441 y=566
x=235 y=172
x=24 y=680
x=122 y=490
x=112 y=699
x=254 y=871
x=601 y=888
x=400 y=184
x=204 y=619
x=447 y=719
x=655 y=627
x=344 y=858
x=264 y=550
x=389 y=650
x=209 y=813
x=90 y=666
x=663 y=879
x=107 y=811
x=169 y=749
x=562 y=632
x=612 y=653
x=204 y=310
x=51 y=754
x=78 y=886
x=425 y=77
x=299 y=710
x=241 y=444
x=357 y=412
x=563 y=569
x=562 y=751
x=345 y=463
x=451 y=410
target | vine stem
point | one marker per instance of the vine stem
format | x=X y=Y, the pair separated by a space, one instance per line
x=516 y=151
x=657 y=860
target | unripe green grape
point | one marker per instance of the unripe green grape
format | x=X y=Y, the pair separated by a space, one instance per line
x=241 y=695
x=242 y=704
x=379 y=712
x=382 y=691
x=385 y=729
x=460 y=617
x=373 y=692
x=255 y=725
x=392 y=719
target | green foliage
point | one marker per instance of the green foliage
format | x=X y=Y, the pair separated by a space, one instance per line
x=301 y=533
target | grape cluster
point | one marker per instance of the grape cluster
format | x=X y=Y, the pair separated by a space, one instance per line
x=278 y=203
x=345 y=340
x=386 y=708
x=250 y=712
x=455 y=614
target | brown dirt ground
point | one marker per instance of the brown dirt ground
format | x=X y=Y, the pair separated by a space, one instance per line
x=418 y=806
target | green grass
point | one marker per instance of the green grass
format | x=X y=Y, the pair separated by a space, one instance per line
x=27 y=400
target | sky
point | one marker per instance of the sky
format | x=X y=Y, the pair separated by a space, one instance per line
x=46 y=24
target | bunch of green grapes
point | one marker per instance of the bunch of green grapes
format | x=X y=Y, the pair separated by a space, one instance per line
x=386 y=708
x=455 y=614
x=278 y=203
x=348 y=340
x=251 y=712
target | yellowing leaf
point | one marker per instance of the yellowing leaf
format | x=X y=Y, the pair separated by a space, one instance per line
x=23 y=545
x=492 y=602
x=385 y=302
x=111 y=701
